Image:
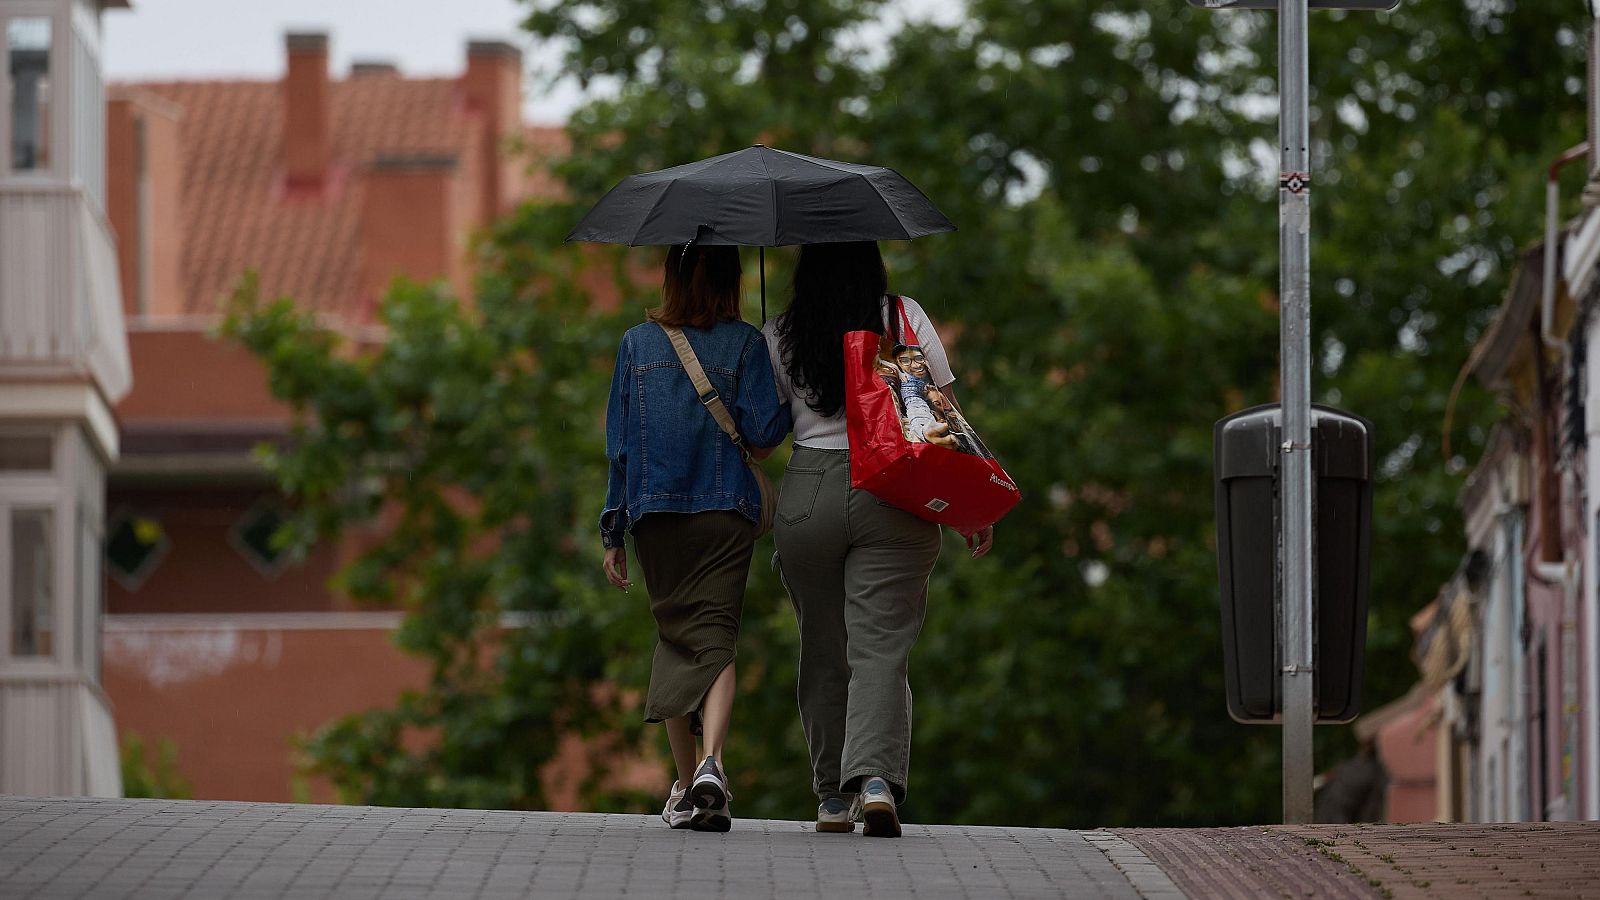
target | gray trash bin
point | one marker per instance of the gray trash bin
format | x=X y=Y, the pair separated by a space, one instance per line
x=1248 y=512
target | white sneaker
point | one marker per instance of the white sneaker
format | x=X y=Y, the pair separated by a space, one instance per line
x=836 y=816
x=710 y=796
x=679 y=809
x=877 y=809
x=717 y=818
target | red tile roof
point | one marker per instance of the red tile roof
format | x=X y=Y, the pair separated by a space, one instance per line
x=237 y=213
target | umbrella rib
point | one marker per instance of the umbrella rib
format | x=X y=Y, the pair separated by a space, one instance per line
x=833 y=165
x=826 y=163
x=666 y=187
x=772 y=186
x=879 y=194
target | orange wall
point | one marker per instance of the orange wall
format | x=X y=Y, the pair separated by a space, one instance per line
x=408 y=224
x=122 y=203
x=183 y=374
x=231 y=699
x=202 y=570
x=469 y=213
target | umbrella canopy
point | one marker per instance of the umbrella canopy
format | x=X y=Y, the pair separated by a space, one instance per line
x=761 y=197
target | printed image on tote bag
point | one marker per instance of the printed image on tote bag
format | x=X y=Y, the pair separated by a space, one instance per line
x=926 y=415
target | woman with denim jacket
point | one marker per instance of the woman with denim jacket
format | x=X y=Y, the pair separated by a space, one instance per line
x=856 y=567
x=680 y=486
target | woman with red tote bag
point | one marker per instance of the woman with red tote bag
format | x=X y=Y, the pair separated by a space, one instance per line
x=856 y=567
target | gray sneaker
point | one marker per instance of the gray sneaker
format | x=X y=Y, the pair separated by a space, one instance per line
x=836 y=816
x=710 y=788
x=710 y=796
x=877 y=809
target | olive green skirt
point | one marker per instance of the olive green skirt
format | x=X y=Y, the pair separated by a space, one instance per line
x=695 y=566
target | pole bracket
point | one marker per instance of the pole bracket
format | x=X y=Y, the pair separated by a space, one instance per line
x=1299 y=670
x=1291 y=446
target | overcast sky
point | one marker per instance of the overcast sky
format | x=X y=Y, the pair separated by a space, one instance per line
x=244 y=38
x=235 y=38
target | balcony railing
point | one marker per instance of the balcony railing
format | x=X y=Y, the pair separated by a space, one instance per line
x=60 y=302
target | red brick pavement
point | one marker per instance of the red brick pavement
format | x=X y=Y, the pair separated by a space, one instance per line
x=1246 y=863
x=1542 y=859
x=1404 y=862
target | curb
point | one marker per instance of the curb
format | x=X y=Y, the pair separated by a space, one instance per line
x=1147 y=878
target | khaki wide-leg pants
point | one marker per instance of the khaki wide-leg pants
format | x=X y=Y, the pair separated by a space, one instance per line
x=857 y=573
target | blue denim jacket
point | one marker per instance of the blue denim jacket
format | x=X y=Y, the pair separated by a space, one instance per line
x=667 y=453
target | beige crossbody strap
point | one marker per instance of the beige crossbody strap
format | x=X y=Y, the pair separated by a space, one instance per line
x=709 y=398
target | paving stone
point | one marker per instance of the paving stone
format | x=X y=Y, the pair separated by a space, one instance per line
x=1405 y=862
x=1533 y=859
x=60 y=848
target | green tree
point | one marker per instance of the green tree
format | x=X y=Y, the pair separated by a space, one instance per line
x=471 y=435
x=151 y=770
x=1110 y=168
x=1113 y=292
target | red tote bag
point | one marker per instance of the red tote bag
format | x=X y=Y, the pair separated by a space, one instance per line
x=908 y=445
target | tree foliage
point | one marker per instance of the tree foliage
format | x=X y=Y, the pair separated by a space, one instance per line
x=151 y=770
x=463 y=447
x=1113 y=289
x=1111 y=168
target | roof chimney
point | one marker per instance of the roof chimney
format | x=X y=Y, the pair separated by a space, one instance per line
x=144 y=181
x=493 y=88
x=366 y=68
x=410 y=223
x=307 y=110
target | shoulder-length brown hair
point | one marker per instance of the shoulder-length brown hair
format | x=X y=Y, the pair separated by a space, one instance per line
x=700 y=286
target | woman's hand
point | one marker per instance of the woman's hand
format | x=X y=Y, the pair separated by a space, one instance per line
x=981 y=541
x=616 y=566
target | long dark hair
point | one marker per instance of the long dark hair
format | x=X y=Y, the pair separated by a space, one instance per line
x=699 y=286
x=837 y=288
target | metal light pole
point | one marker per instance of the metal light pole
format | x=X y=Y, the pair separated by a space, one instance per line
x=1294 y=341
x=1296 y=562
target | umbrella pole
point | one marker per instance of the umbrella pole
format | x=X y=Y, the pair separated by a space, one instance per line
x=762 y=252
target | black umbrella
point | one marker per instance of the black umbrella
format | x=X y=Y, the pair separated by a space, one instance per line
x=762 y=197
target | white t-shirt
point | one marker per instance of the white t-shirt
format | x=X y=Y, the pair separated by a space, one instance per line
x=828 y=433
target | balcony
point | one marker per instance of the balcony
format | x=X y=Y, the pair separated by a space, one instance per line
x=60 y=302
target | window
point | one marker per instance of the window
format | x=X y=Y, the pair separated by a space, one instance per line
x=32 y=623
x=135 y=544
x=25 y=452
x=252 y=536
x=28 y=46
x=92 y=590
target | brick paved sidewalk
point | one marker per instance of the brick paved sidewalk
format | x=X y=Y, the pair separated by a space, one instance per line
x=157 y=848
x=63 y=848
x=1406 y=862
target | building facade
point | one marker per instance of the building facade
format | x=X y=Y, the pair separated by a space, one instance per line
x=63 y=367
x=327 y=188
x=1508 y=651
x=141 y=593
